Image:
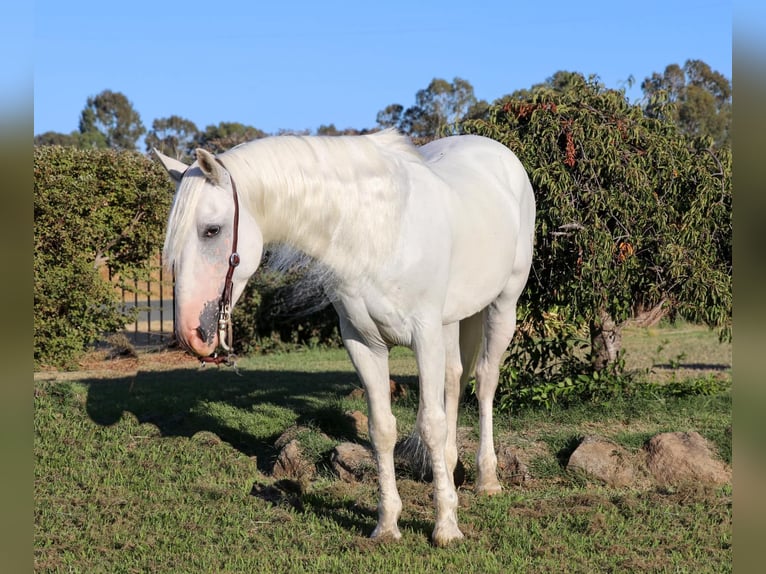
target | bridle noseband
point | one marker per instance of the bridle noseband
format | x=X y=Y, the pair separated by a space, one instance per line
x=225 y=329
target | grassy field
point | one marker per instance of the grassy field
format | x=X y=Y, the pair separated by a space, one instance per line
x=157 y=466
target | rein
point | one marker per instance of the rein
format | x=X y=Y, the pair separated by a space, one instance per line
x=225 y=329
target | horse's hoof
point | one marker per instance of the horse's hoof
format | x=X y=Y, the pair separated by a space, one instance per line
x=489 y=489
x=445 y=535
x=386 y=534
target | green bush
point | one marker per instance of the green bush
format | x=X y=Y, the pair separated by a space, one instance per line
x=92 y=209
x=279 y=311
x=631 y=213
x=552 y=366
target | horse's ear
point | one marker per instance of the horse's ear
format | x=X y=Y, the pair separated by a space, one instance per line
x=211 y=168
x=174 y=167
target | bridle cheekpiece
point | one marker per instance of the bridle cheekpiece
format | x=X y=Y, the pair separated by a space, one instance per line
x=225 y=328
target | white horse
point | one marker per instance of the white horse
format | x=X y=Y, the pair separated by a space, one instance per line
x=424 y=247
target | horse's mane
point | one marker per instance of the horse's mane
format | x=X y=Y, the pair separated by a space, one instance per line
x=338 y=199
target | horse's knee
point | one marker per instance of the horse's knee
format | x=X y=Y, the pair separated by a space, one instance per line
x=453 y=372
x=382 y=429
x=432 y=426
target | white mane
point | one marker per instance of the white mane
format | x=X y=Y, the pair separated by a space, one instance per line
x=182 y=215
x=337 y=199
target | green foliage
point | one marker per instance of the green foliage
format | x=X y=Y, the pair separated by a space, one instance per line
x=226 y=135
x=331 y=130
x=631 y=214
x=701 y=99
x=92 y=208
x=173 y=136
x=56 y=138
x=704 y=386
x=554 y=369
x=276 y=312
x=437 y=110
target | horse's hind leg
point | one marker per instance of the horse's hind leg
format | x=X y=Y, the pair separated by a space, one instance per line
x=499 y=326
x=430 y=353
x=462 y=342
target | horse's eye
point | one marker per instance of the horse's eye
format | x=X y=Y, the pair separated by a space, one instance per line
x=212 y=231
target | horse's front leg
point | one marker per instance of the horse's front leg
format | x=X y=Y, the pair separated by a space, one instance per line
x=371 y=363
x=432 y=425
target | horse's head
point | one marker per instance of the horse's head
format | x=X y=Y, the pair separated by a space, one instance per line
x=200 y=240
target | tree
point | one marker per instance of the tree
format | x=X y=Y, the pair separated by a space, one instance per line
x=226 y=135
x=632 y=213
x=558 y=82
x=701 y=99
x=109 y=121
x=437 y=110
x=331 y=130
x=391 y=116
x=173 y=136
x=57 y=138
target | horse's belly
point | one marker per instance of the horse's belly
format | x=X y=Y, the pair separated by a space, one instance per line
x=482 y=261
x=472 y=288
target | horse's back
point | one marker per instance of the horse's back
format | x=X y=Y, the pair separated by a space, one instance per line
x=470 y=164
x=492 y=218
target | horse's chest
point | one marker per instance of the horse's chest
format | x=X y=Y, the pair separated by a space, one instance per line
x=378 y=318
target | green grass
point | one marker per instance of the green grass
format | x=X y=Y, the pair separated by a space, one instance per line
x=166 y=470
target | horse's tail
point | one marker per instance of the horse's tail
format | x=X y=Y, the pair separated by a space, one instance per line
x=412 y=457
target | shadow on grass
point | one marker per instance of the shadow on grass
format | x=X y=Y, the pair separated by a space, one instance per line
x=357 y=518
x=175 y=402
x=718 y=367
x=350 y=514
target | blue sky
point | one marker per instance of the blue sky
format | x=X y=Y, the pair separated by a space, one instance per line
x=296 y=65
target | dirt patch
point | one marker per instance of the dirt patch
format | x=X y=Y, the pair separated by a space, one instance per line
x=101 y=363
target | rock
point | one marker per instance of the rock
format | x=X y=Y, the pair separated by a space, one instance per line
x=397 y=390
x=603 y=460
x=290 y=434
x=282 y=492
x=359 y=422
x=291 y=464
x=684 y=458
x=352 y=461
x=510 y=468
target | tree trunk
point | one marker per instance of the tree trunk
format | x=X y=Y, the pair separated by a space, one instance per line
x=605 y=341
x=643 y=317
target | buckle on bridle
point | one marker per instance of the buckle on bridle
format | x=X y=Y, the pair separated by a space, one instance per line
x=225 y=328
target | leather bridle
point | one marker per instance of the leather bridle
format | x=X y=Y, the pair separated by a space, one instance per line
x=225 y=329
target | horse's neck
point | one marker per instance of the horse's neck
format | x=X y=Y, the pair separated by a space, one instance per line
x=297 y=219
x=345 y=216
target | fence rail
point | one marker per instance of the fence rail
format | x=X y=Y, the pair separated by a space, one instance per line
x=153 y=298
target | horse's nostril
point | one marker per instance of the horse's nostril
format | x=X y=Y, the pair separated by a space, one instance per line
x=202 y=333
